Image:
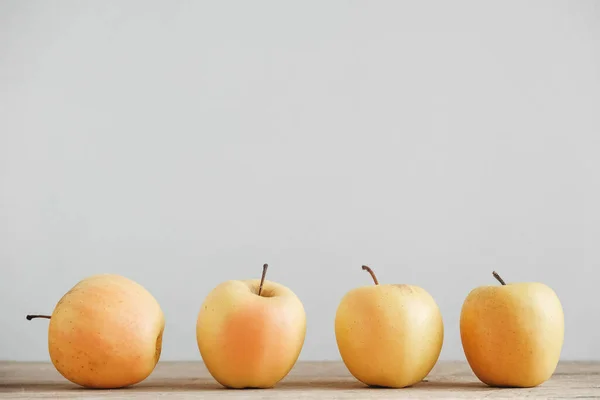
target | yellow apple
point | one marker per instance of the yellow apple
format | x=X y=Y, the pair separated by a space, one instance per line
x=106 y=332
x=389 y=335
x=250 y=332
x=512 y=335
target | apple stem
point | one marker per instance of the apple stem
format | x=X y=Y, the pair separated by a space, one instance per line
x=498 y=277
x=370 y=271
x=262 y=279
x=32 y=316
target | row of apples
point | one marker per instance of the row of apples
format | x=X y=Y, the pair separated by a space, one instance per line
x=106 y=332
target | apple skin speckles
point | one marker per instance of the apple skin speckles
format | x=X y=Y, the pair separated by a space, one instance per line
x=103 y=332
x=389 y=335
x=512 y=335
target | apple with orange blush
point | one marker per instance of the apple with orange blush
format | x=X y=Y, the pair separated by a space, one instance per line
x=250 y=332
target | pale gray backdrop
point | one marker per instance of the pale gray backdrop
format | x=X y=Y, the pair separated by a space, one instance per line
x=185 y=143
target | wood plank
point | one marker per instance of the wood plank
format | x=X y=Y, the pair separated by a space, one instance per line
x=308 y=380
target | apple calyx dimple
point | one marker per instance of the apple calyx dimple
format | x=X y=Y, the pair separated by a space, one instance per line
x=498 y=278
x=32 y=316
x=370 y=271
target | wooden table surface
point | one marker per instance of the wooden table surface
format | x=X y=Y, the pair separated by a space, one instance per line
x=308 y=380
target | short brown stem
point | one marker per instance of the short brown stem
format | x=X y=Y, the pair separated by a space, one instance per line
x=262 y=279
x=32 y=316
x=370 y=271
x=498 y=278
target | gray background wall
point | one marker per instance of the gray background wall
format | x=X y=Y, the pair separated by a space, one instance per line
x=185 y=143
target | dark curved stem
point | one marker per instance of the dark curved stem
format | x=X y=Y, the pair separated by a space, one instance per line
x=32 y=316
x=499 y=278
x=370 y=271
x=262 y=279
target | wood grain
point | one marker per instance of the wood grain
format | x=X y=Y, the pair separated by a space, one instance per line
x=308 y=380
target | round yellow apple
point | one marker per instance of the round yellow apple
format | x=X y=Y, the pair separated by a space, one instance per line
x=106 y=332
x=250 y=332
x=389 y=335
x=512 y=334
